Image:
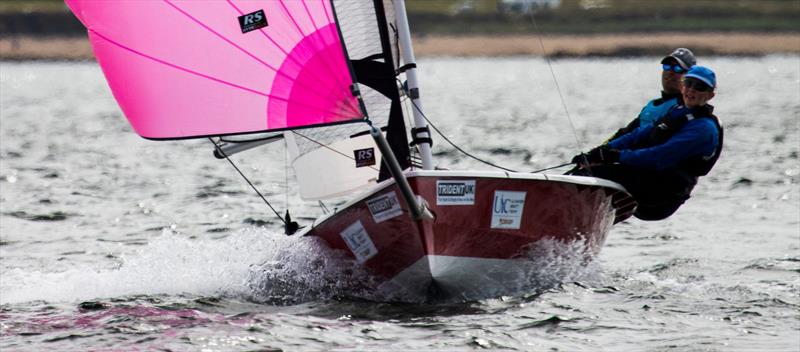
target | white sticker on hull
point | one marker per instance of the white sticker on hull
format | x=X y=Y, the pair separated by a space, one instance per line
x=357 y=239
x=455 y=192
x=384 y=207
x=507 y=209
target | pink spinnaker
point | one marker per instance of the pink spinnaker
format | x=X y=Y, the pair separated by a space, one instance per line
x=182 y=69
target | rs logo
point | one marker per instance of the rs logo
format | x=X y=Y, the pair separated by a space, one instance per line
x=253 y=18
x=252 y=21
x=364 y=154
x=364 y=157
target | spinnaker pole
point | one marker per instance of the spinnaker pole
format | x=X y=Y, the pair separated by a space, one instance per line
x=422 y=134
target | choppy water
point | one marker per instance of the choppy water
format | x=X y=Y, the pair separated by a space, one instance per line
x=112 y=242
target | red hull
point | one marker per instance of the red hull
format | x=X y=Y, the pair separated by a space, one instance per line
x=485 y=218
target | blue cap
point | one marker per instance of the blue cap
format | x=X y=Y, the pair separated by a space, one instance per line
x=703 y=74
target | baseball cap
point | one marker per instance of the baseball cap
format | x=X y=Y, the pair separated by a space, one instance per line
x=703 y=74
x=683 y=56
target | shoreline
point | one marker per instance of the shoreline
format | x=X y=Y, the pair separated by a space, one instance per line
x=609 y=45
x=22 y=48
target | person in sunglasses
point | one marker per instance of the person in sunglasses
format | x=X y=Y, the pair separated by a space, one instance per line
x=673 y=66
x=659 y=164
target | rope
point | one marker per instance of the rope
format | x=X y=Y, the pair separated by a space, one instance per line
x=552 y=167
x=472 y=156
x=248 y=181
x=329 y=148
x=558 y=87
x=286 y=172
x=453 y=144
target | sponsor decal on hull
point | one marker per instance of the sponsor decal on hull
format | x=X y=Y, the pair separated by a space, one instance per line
x=455 y=192
x=507 y=209
x=384 y=207
x=357 y=239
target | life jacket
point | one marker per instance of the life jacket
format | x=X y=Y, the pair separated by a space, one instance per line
x=658 y=108
x=673 y=122
x=654 y=110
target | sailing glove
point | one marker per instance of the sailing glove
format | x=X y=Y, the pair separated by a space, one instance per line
x=580 y=159
x=603 y=155
x=599 y=155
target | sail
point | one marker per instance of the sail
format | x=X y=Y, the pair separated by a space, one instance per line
x=369 y=31
x=183 y=69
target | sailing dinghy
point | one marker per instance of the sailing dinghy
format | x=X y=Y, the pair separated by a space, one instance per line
x=325 y=76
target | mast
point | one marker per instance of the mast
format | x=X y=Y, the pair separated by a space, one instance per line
x=422 y=134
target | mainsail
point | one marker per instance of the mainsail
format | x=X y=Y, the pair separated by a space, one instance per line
x=183 y=69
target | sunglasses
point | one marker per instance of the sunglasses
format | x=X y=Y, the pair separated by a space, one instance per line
x=673 y=68
x=697 y=85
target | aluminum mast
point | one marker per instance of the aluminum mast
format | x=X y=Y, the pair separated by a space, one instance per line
x=404 y=36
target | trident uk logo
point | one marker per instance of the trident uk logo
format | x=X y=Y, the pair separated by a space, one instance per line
x=252 y=21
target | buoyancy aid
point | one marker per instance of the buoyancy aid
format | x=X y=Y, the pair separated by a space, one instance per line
x=658 y=108
x=675 y=120
x=650 y=113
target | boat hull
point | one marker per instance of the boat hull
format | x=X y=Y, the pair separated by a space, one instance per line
x=485 y=225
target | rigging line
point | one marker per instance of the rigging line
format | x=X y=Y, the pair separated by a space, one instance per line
x=248 y=180
x=552 y=167
x=329 y=148
x=558 y=87
x=323 y=207
x=453 y=144
x=286 y=171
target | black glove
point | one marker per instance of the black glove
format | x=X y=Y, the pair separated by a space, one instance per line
x=580 y=159
x=602 y=155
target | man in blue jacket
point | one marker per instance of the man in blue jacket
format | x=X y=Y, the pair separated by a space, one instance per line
x=673 y=66
x=659 y=164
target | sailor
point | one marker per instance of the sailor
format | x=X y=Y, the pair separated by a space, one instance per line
x=673 y=66
x=659 y=164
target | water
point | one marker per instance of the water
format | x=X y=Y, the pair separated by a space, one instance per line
x=112 y=242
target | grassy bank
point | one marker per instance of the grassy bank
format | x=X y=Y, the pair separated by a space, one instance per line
x=45 y=29
x=605 y=16
x=609 y=45
x=603 y=45
x=459 y=17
